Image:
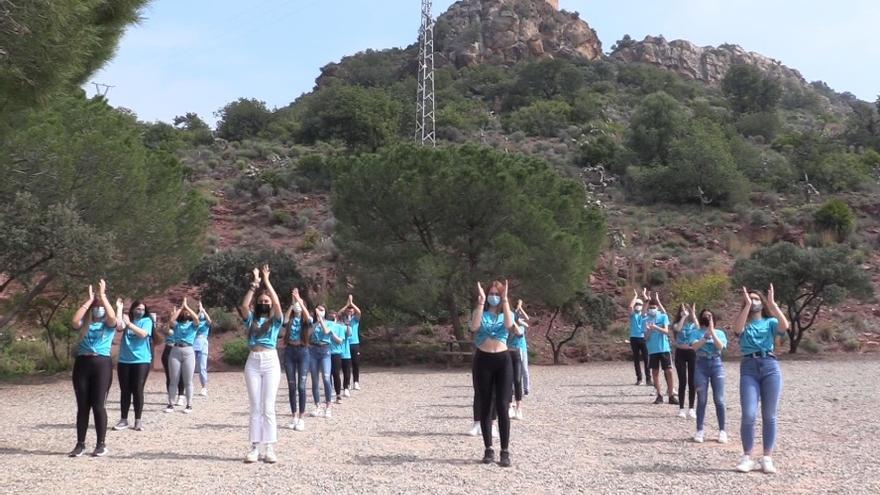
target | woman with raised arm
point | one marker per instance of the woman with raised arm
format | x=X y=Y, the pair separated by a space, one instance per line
x=200 y=347
x=492 y=369
x=319 y=361
x=296 y=357
x=708 y=344
x=135 y=359
x=93 y=369
x=759 y=324
x=637 y=336
x=686 y=330
x=523 y=319
x=182 y=359
x=262 y=372
x=656 y=325
x=352 y=317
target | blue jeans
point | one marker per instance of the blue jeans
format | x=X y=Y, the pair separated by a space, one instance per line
x=759 y=378
x=710 y=370
x=319 y=362
x=296 y=366
x=202 y=365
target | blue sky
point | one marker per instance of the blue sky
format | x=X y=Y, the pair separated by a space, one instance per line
x=197 y=55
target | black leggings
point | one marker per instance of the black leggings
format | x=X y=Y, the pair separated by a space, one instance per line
x=493 y=374
x=640 y=353
x=346 y=374
x=180 y=385
x=685 y=364
x=335 y=368
x=91 y=382
x=132 y=378
x=516 y=363
x=355 y=362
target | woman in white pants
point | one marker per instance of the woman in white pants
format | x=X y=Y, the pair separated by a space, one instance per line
x=262 y=372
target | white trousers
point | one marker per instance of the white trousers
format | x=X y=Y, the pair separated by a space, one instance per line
x=262 y=373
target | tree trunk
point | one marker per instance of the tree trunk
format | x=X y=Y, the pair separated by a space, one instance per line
x=796 y=339
x=25 y=301
x=452 y=307
x=556 y=350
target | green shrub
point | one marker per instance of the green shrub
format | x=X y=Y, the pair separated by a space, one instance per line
x=310 y=240
x=281 y=217
x=224 y=321
x=836 y=216
x=852 y=345
x=811 y=346
x=235 y=352
x=764 y=124
x=657 y=277
x=707 y=291
x=542 y=118
x=26 y=357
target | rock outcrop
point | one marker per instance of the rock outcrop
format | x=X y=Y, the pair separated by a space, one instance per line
x=473 y=32
x=707 y=63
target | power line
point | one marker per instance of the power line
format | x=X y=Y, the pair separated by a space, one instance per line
x=425 y=101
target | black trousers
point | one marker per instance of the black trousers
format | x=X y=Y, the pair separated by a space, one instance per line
x=335 y=369
x=493 y=374
x=132 y=378
x=180 y=385
x=685 y=368
x=91 y=383
x=355 y=362
x=516 y=363
x=640 y=353
x=346 y=373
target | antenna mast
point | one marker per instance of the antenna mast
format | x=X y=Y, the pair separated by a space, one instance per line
x=425 y=103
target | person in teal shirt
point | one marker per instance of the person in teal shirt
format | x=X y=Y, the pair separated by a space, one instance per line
x=93 y=369
x=319 y=362
x=135 y=360
x=201 y=349
x=337 y=344
x=637 y=336
x=182 y=358
x=685 y=329
x=708 y=343
x=351 y=316
x=656 y=325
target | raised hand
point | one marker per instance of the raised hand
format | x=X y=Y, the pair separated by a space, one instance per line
x=185 y=305
x=771 y=294
x=91 y=294
x=504 y=293
x=694 y=309
x=294 y=294
x=119 y=301
x=350 y=299
x=264 y=271
x=519 y=304
x=746 y=297
x=126 y=320
x=102 y=288
x=645 y=293
x=481 y=295
x=256 y=276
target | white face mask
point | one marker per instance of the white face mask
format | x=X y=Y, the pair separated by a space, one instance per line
x=98 y=312
x=652 y=312
x=297 y=309
x=757 y=305
x=320 y=312
x=638 y=309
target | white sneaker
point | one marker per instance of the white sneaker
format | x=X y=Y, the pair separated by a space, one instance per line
x=169 y=408
x=181 y=400
x=746 y=465
x=475 y=431
x=253 y=455
x=699 y=436
x=346 y=393
x=495 y=433
x=204 y=392
x=270 y=457
x=722 y=437
x=692 y=414
x=682 y=413
x=511 y=412
x=121 y=425
x=767 y=465
x=519 y=414
x=292 y=424
x=316 y=412
x=327 y=413
x=357 y=386
x=300 y=425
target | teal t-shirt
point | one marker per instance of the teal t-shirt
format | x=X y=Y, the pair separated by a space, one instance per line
x=134 y=349
x=98 y=339
x=709 y=348
x=758 y=336
x=338 y=330
x=492 y=326
x=268 y=337
x=658 y=342
x=202 y=332
x=185 y=332
x=321 y=335
x=688 y=334
x=355 y=331
x=636 y=327
x=516 y=341
x=295 y=333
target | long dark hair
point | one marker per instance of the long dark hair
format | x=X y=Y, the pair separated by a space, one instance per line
x=255 y=329
x=136 y=303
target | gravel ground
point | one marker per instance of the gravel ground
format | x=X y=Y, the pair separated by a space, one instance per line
x=587 y=429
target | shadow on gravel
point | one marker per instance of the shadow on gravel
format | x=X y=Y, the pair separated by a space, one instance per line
x=410 y=434
x=12 y=451
x=457 y=397
x=431 y=406
x=671 y=469
x=581 y=385
x=170 y=456
x=394 y=460
x=459 y=386
x=456 y=417
x=639 y=441
x=612 y=396
x=209 y=426
x=611 y=403
x=59 y=426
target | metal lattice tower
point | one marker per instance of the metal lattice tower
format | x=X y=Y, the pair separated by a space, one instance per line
x=425 y=103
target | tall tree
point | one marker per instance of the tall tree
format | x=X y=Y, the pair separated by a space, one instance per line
x=806 y=281
x=419 y=226
x=656 y=123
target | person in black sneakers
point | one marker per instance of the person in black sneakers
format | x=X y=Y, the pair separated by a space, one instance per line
x=637 y=336
x=656 y=325
x=93 y=369
x=492 y=368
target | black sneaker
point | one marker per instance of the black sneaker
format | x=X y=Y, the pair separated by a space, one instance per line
x=78 y=450
x=639 y=381
x=188 y=410
x=673 y=400
x=489 y=456
x=659 y=399
x=649 y=383
x=100 y=450
x=169 y=408
x=505 y=459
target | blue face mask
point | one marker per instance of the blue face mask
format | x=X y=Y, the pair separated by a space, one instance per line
x=652 y=312
x=493 y=300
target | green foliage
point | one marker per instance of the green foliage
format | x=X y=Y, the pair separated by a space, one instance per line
x=647 y=79
x=422 y=225
x=763 y=124
x=840 y=171
x=764 y=167
x=224 y=321
x=749 y=90
x=161 y=136
x=193 y=129
x=313 y=173
x=700 y=163
x=806 y=280
x=657 y=277
x=24 y=357
x=706 y=291
x=242 y=119
x=225 y=276
x=836 y=216
x=235 y=352
x=542 y=118
x=50 y=46
x=364 y=119
x=598 y=148
x=587 y=106
x=464 y=115
x=544 y=79
x=657 y=121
